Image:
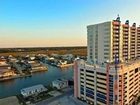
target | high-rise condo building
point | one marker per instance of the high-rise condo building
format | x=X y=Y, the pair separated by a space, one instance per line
x=111 y=74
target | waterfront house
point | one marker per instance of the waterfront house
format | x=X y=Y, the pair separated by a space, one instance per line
x=67 y=56
x=12 y=59
x=37 y=66
x=34 y=90
x=6 y=73
x=32 y=58
x=60 y=83
x=3 y=62
x=5 y=69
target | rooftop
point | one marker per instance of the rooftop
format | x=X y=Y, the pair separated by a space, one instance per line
x=28 y=89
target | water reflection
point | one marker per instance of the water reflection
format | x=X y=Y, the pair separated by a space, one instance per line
x=13 y=87
x=7 y=82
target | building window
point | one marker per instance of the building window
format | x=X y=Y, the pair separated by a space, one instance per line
x=136 y=70
x=89 y=71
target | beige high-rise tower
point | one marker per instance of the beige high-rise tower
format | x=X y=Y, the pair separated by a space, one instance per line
x=105 y=40
x=111 y=73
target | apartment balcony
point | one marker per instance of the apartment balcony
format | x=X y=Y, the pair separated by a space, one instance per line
x=125 y=26
x=125 y=32
x=138 y=28
x=138 y=49
x=116 y=23
x=138 y=36
x=125 y=36
x=132 y=47
x=138 y=33
x=133 y=33
x=133 y=38
x=138 y=54
x=125 y=56
x=115 y=53
x=115 y=48
x=125 y=48
x=133 y=28
x=125 y=43
x=125 y=40
x=132 y=44
x=138 y=42
x=115 y=41
x=115 y=32
x=132 y=53
x=132 y=41
x=115 y=27
x=116 y=38
x=125 y=52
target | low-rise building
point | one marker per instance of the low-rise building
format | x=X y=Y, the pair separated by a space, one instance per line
x=34 y=90
x=60 y=83
x=68 y=56
x=36 y=65
x=3 y=62
x=5 y=69
x=6 y=73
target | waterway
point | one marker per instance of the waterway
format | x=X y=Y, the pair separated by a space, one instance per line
x=13 y=87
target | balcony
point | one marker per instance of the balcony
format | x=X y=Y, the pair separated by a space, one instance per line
x=125 y=26
x=115 y=27
x=115 y=32
x=116 y=23
x=133 y=28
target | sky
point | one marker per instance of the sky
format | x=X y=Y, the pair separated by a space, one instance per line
x=56 y=23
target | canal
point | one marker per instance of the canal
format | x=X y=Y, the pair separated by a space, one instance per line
x=13 y=87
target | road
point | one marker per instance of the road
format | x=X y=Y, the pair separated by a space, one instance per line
x=46 y=102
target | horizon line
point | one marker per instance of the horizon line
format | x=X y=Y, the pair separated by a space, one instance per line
x=39 y=47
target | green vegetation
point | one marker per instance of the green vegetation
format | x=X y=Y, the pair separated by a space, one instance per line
x=50 y=88
x=77 y=51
